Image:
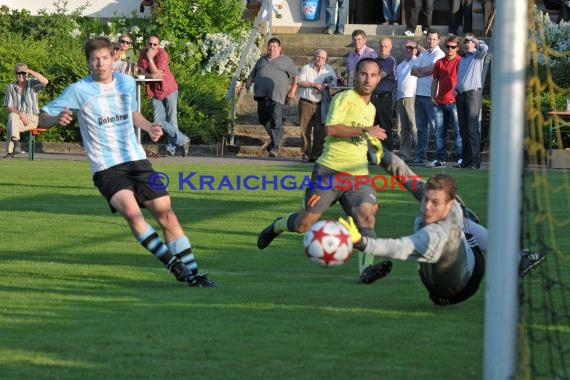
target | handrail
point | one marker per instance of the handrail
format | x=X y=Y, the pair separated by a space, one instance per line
x=264 y=14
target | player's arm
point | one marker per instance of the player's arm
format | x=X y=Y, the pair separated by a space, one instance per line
x=153 y=129
x=46 y=120
x=399 y=169
x=344 y=131
x=425 y=245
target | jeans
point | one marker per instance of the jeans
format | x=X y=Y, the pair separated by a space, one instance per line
x=330 y=7
x=392 y=10
x=425 y=121
x=165 y=112
x=441 y=130
x=270 y=115
x=468 y=109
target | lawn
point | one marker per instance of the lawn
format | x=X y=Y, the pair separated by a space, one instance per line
x=82 y=300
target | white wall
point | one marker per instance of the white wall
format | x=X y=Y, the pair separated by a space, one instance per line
x=102 y=8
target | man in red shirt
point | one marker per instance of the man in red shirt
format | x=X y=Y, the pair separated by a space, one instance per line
x=153 y=62
x=443 y=84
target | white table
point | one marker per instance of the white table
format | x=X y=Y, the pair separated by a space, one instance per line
x=140 y=81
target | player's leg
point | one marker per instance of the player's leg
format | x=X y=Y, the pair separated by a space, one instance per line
x=317 y=201
x=360 y=203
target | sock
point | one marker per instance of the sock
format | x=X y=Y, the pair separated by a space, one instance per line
x=182 y=249
x=365 y=260
x=151 y=241
x=285 y=223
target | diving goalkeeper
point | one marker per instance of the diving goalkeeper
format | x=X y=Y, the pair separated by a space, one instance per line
x=447 y=241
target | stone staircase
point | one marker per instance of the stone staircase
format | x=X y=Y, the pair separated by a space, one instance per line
x=251 y=139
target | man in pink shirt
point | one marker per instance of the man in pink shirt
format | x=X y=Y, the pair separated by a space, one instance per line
x=444 y=81
x=361 y=50
x=153 y=62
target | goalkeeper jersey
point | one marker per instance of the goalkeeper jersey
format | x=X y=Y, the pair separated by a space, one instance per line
x=348 y=154
x=104 y=112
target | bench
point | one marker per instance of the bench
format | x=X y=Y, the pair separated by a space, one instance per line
x=32 y=141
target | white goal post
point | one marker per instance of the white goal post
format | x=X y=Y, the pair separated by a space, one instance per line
x=508 y=85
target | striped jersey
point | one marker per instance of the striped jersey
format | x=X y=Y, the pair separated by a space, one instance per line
x=104 y=113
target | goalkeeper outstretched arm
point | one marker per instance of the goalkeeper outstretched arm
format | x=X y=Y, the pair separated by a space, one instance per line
x=425 y=245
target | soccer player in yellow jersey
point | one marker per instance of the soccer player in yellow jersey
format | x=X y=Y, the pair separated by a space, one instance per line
x=340 y=173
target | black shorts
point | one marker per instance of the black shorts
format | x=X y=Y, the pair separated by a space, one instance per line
x=472 y=285
x=131 y=175
x=330 y=186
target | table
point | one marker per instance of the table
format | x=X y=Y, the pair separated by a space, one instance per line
x=565 y=116
x=140 y=81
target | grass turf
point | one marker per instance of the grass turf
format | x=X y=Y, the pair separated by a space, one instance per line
x=81 y=299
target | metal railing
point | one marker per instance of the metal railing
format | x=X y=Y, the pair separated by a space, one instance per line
x=264 y=15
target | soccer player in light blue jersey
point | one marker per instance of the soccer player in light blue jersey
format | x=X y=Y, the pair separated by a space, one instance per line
x=105 y=105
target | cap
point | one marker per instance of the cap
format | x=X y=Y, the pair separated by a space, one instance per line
x=411 y=43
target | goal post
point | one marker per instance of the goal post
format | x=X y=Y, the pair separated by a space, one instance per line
x=509 y=43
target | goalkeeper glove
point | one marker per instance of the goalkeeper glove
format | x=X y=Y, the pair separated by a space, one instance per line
x=355 y=235
x=375 y=149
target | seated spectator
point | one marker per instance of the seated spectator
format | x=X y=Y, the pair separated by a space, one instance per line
x=21 y=102
x=120 y=66
x=126 y=48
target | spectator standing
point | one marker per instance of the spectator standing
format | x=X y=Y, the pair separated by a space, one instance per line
x=423 y=105
x=469 y=95
x=423 y=7
x=361 y=50
x=154 y=62
x=332 y=8
x=106 y=108
x=392 y=11
x=443 y=84
x=461 y=13
x=383 y=96
x=313 y=80
x=405 y=96
x=271 y=75
x=21 y=103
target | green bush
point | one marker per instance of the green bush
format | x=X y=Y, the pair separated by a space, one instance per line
x=53 y=45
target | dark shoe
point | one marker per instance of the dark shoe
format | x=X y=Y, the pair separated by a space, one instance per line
x=170 y=153
x=267 y=235
x=178 y=269
x=339 y=32
x=375 y=272
x=186 y=148
x=272 y=153
x=9 y=156
x=17 y=147
x=436 y=164
x=200 y=281
x=529 y=261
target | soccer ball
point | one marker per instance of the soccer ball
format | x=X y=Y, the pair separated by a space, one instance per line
x=328 y=243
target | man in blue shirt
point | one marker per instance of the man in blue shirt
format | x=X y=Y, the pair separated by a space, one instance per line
x=468 y=94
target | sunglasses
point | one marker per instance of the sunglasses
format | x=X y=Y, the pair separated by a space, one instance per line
x=451 y=46
x=125 y=42
x=411 y=47
x=151 y=44
x=21 y=73
x=117 y=49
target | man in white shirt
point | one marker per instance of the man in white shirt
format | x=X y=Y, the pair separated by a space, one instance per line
x=405 y=97
x=425 y=113
x=313 y=80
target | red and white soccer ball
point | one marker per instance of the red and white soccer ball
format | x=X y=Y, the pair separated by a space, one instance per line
x=328 y=243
